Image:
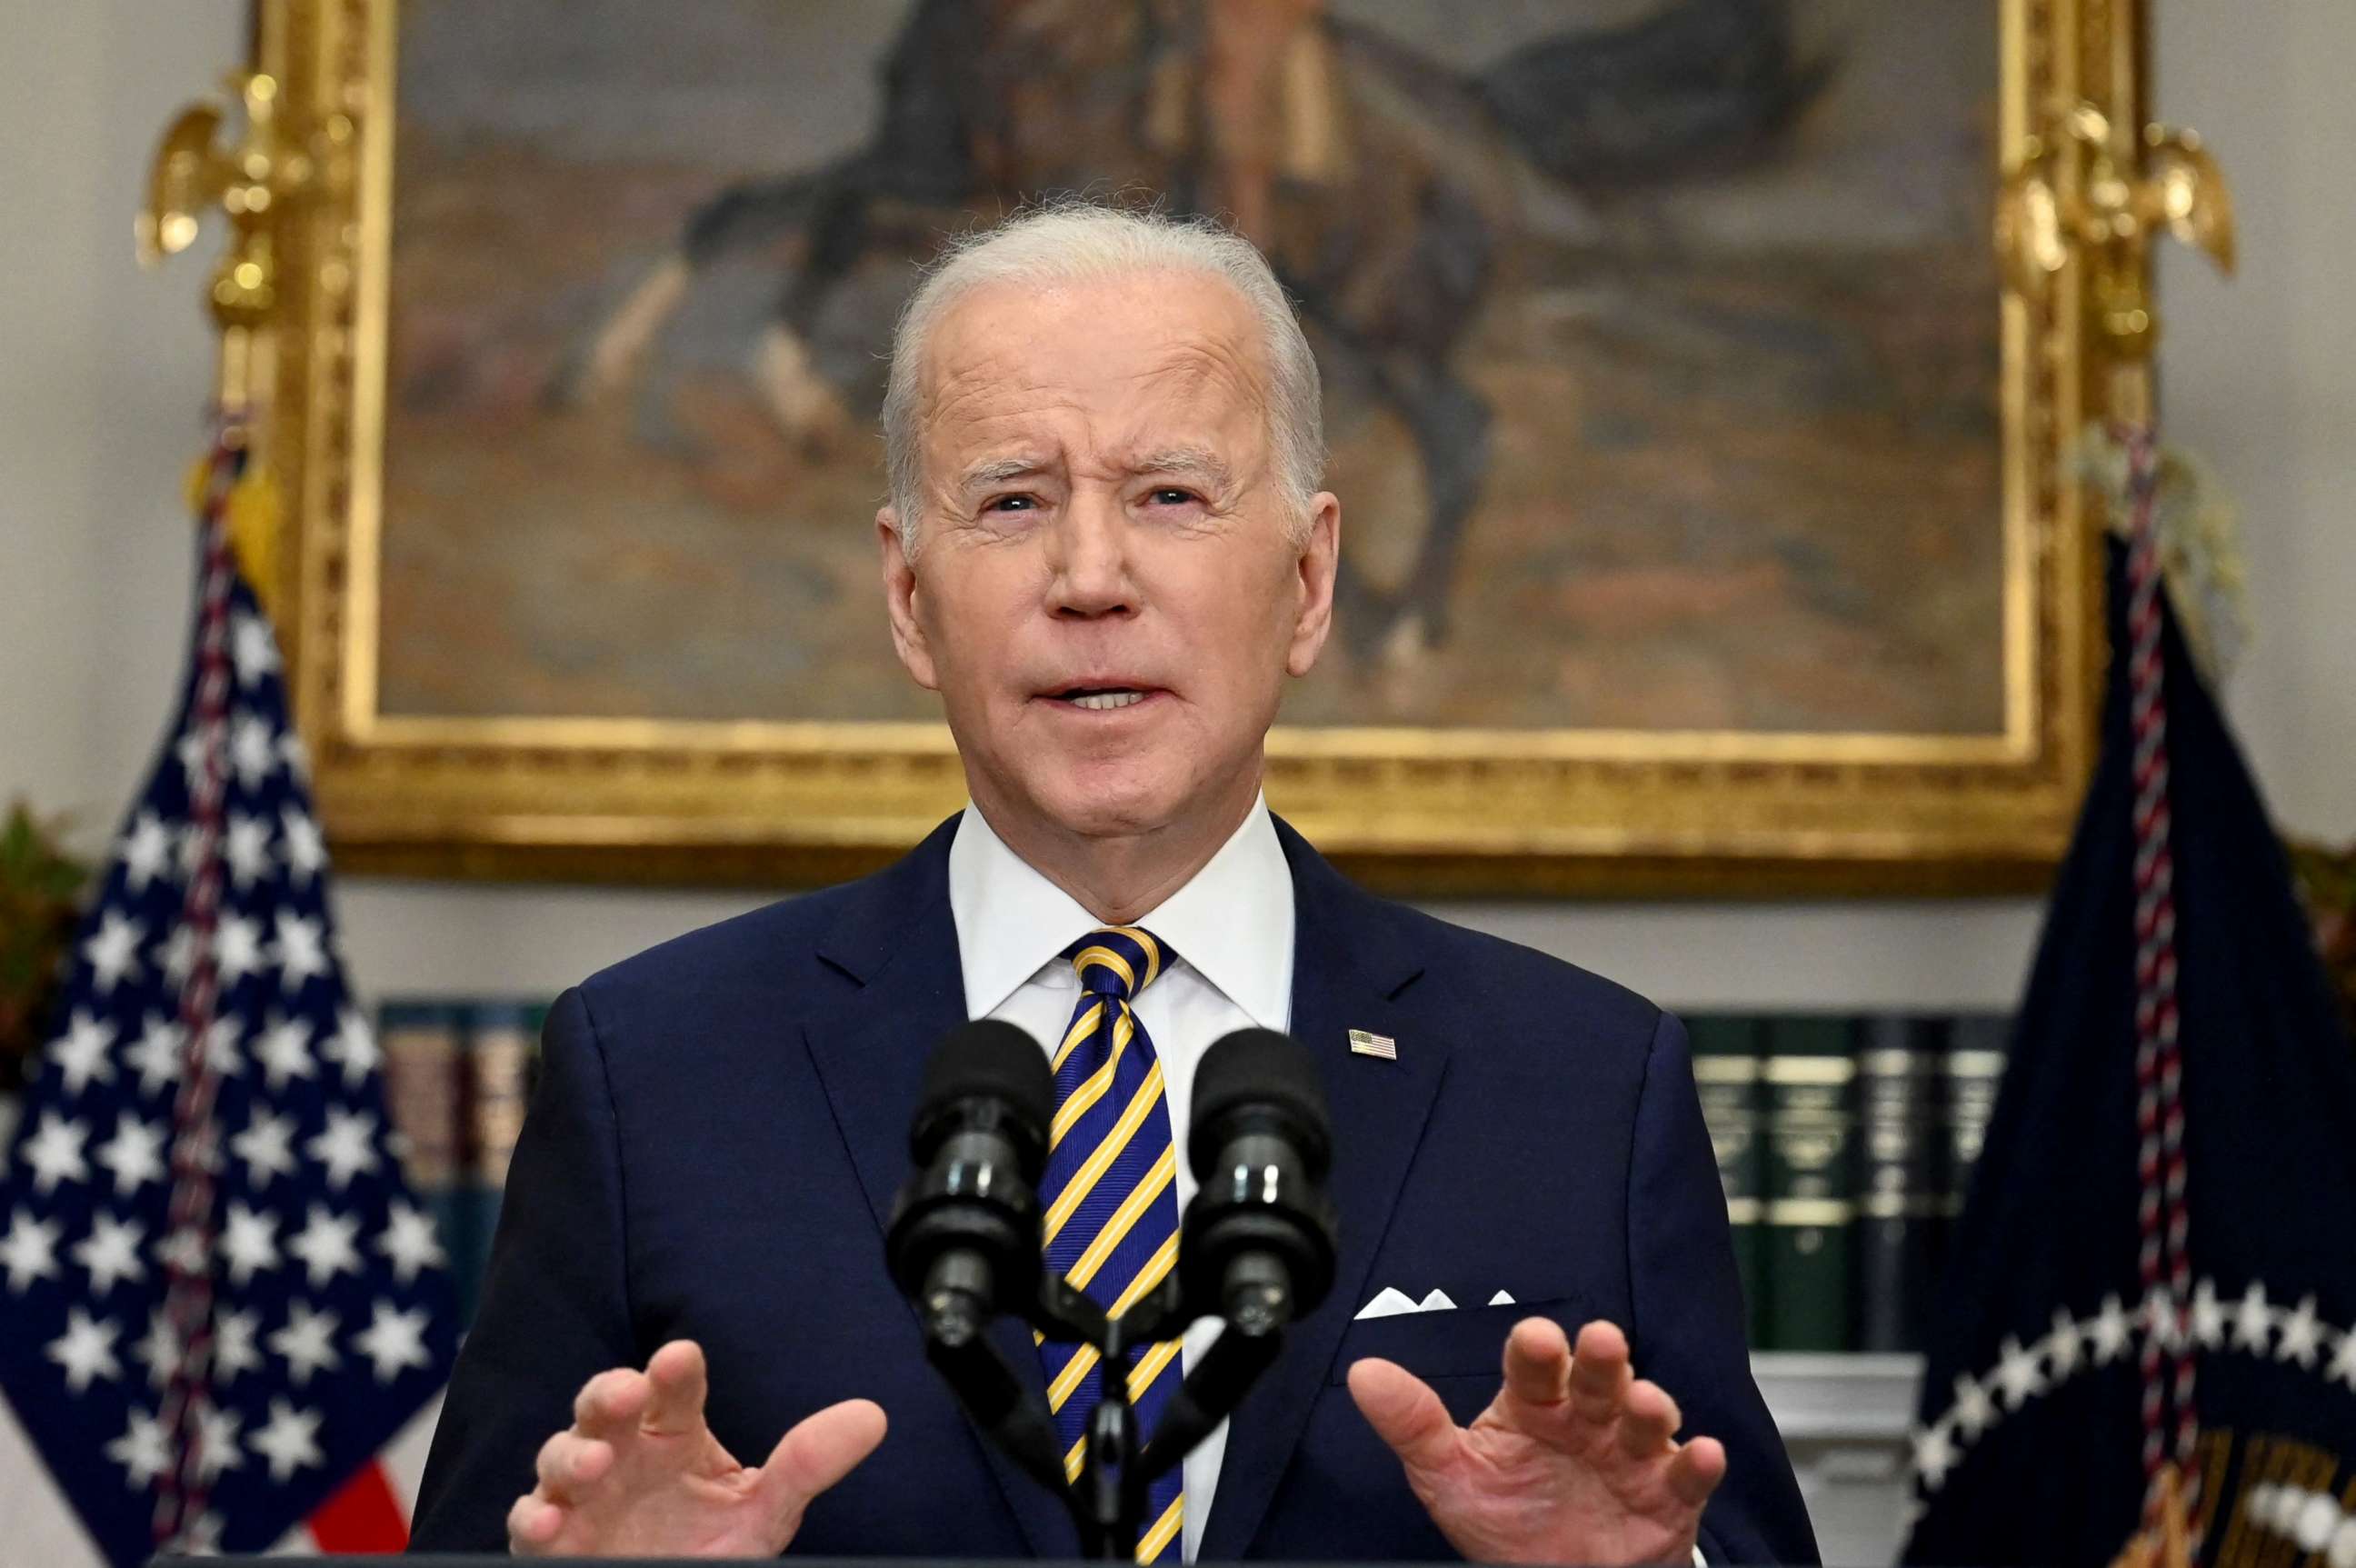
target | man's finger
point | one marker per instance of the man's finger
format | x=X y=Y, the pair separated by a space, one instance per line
x=608 y=1405
x=1599 y=1373
x=1696 y=1470
x=533 y=1523
x=820 y=1450
x=676 y=1406
x=1648 y=1418
x=1403 y=1413
x=1537 y=1361
x=569 y=1463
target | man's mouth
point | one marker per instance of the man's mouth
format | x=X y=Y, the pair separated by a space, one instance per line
x=1101 y=699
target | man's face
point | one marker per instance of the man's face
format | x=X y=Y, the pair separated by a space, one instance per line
x=1105 y=593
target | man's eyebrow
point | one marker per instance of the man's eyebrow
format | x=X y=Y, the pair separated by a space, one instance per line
x=1199 y=461
x=998 y=470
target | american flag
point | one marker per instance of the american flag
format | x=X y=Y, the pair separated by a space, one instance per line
x=221 y=1299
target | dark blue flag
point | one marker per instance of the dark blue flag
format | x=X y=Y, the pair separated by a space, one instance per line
x=217 y=1298
x=2035 y=1443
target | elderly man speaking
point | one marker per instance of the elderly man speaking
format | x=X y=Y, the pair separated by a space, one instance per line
x=1105 y=548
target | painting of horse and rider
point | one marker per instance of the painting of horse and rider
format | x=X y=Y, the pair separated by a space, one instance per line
x=1659 y=337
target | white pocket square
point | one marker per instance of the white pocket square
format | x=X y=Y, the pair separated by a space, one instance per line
x=1390 y=1302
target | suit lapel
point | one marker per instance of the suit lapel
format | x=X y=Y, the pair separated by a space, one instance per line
x=1351 y=961
x=897 y=943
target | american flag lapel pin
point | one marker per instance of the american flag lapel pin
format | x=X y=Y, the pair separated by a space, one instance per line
x=1363 y=1044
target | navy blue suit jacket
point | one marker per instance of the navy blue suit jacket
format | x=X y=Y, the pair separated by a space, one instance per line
x=721 y=1126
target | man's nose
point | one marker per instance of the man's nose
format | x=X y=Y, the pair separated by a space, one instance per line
x=1088 y=549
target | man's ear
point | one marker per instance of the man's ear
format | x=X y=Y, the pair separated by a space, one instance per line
x=1320 y=554
x=900 y=601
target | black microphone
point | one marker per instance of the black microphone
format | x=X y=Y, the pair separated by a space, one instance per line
x=964 y=1238
x=1257 y=1243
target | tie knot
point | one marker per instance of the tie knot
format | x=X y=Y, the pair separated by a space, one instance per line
x=1119 y=961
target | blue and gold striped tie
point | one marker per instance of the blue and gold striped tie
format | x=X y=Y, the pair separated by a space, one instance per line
x=1111 y=1200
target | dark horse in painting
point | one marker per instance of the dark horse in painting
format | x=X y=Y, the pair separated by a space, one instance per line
x=1378 y=182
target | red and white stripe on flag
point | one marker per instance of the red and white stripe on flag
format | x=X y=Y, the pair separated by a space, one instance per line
x=370 y=1512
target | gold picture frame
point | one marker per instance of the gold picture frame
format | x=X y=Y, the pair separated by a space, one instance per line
x=1427 y=811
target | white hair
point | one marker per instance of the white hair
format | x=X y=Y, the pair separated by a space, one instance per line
x=1079 y=241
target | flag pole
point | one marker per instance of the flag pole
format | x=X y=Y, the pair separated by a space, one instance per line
x=259 y=180
x=2093 y=192
x=260 y=177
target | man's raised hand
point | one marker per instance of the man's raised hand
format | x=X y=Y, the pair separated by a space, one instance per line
x=1575 y=1461
x=639 y=1474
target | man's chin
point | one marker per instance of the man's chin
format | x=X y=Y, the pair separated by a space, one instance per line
x=1111 y=801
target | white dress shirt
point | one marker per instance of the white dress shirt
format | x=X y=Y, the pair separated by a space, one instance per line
x=1229 y=932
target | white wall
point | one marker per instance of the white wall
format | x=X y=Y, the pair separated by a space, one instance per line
x=103 y=371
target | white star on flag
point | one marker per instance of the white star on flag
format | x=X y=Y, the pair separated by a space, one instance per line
x=393 y=1339
x=2253 y=1321
x=237 y=950
x=248 y=1242
x=2061 y=1345
x=156 y=1054
x=246 y=847
x=179 y=957
x=80 y=1054
x=346 y=1148
x=307 y=1343
x=251 y=648
x=143 y=1450
x=86 y=1349
x=147 y=852
x=267 y=1148
x=29 y=1250
x=2017 y=1374
x=302 y=949
x=353 y=1047
x=2208 y=1317
x=54 y=1152
x=158 y=1349
x=1974 y=1411
x=407 y=1241
x=2343 y=1362
x=111 y=1253
x=114 y=952
x=216 y=1445
x=304 y=850
x=2302 y=1335
x=233 y=1351
x=289 y=1440
x=325 y=1245
x=135 y=1155
x=190 y=750
x=250 y=750
x=1935 y=1455
x=284 y=1050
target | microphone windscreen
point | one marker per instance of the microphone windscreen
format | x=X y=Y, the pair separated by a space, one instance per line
x=1256 y=1068
x=991 y=1059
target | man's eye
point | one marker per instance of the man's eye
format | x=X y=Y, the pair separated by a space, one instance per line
x=1012 y=503
x=1170 y=495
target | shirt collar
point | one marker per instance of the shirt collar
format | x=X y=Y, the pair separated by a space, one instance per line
x=1232 y=922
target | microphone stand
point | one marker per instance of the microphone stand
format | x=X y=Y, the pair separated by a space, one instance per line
x=1106 y=1500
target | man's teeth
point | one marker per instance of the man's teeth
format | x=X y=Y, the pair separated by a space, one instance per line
x=1100 y=701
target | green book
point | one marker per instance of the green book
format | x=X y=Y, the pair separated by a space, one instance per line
x=1902 y=1202
x=1726 y=1072
x=1810 y=1067
x=1975 y=1050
